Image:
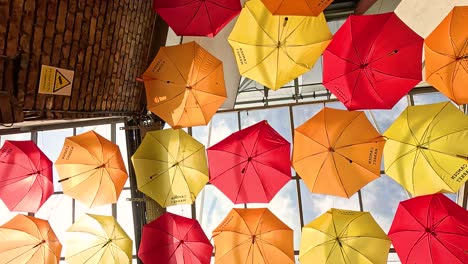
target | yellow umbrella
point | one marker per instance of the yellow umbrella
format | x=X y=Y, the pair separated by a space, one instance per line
x=170 y=167
x=98 y=239
x=342 y=236
x=273 y=50
x=426 y=149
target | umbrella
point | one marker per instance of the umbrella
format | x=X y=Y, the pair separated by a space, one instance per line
x=447 y=56
x=296 y=7
x=184 y=85
x=251 y=165
x=430 y=229
x=26 y=239
x=342 y=236
x=197 y=17
x=337 y=152
x=25 y=176
x=253 y=235
x=97 y=239
x=426 y=149
x=170 y=167
x=372 y=62
x=276 y=49
x=91 y=169
x=174 y=239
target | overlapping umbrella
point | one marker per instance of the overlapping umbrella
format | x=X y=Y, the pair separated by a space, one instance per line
x=276 y=49
x=197 y=17
x=251 y=165
x=372 y=62
x=174 y=239
x=253 y=236
x=343 y=236
x=28 y=240
x=337 y=152
x=91 y=169
x=97 y=239
x=170 y=167
x=296 y=7
x=430 y=229
x=184 y=85
x=446 y=50
x=25 y=176
x=426 y=149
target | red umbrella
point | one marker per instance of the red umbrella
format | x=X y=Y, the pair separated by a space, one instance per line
x=25 y=176
x=174 y=239
x=197 y=17
x=372 y=61
x=430 y=229
x=251 y=165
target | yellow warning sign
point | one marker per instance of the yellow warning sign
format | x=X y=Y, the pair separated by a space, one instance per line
x=55 y=80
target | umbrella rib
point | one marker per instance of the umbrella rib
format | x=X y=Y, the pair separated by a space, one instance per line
x=225 y=7
x=162 y=145
x=396 y=76
x=215 y=177
x=440 y=242
x=372 y=46
x=370 y=261
x=268 y=243
x=338 y=176
x=272 y=149
x=88 y=248
x=393 y=51
x=260 y=25
x=37 y=248
x=432 y=167
x=233 y=248
x=345 y=228
x=87 y=150
x=431 y=123
x=247 y=255
x=208 y=15
x=413 y=246
x=193 y=17
x=172 y=183
x=343 y=130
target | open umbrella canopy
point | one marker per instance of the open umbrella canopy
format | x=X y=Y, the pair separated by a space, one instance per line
x=296 y=7
x=25 y=176
x=446 y=50
x=170 y=167
x=91 y=169
x=197 y=17
x=28 y=240
x=342 y=236
x=430 y=229
x=426 y=149
x=273 y=50
x=251 y=165
x=173 y=239
x=337 y=152
x=97 y=239
x=372 y=62
x=253 y=235
x=184 y=85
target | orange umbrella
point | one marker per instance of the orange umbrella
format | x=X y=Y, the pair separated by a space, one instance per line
x=91 y=169
x=253 y=236
x=447 y=56
x=337 y=152
x=28 y=240
x=184 y=85
x=296 y=7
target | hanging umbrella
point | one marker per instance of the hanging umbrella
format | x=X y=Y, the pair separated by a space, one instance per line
x=97 y=239
x=342 y=236
x=174 y=239
x=170 y=167
x=296 y=7
x=197 y=17
x=276 y=49
x=372 y=62
x=430 y=229
x=91 y=169
x=184 y=85
x=447 y=56
x=337 y=152
x=426 y=149
x=28 y=240
x=251 y=165
x=25 y=176
x=253 y=235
